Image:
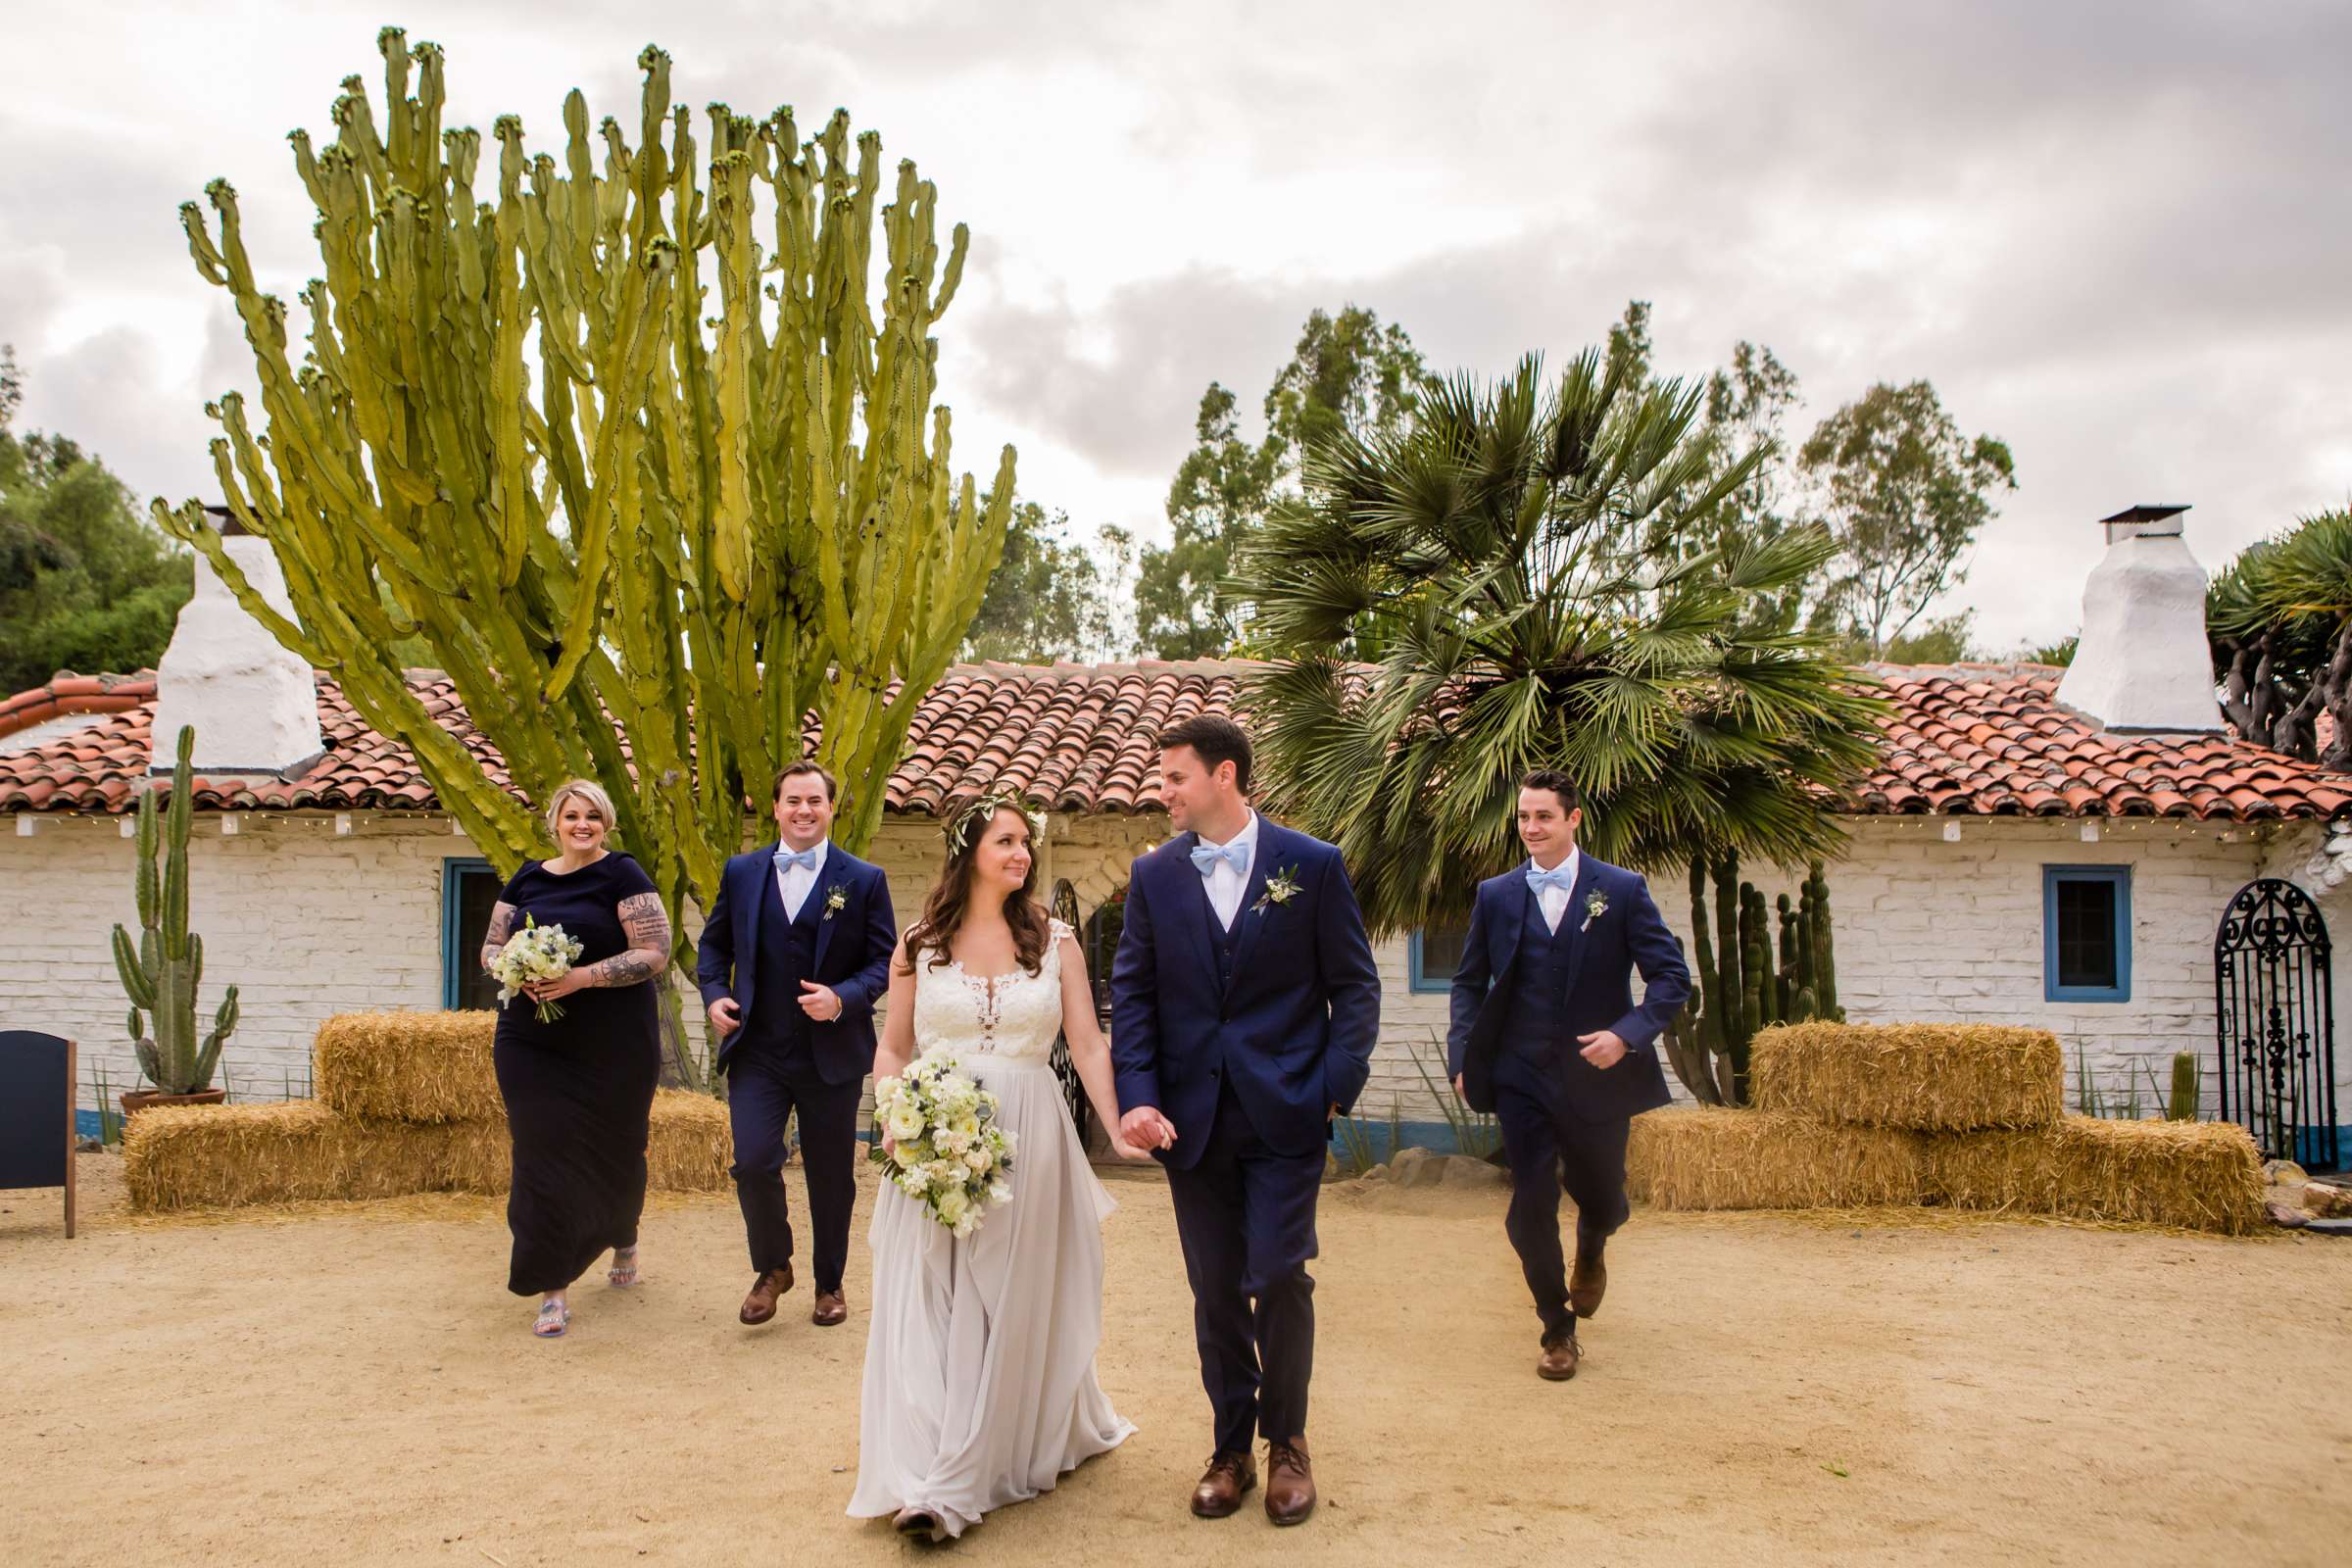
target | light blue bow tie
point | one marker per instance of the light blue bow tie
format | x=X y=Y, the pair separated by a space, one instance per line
x=1559 y=876
x=804 y=859
x=1207 y=855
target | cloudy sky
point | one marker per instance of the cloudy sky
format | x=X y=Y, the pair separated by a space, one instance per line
x=2113 y=234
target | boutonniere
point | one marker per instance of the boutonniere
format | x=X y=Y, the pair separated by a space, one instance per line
x=1596 y=905
x=1280 y=888
x=837 y=898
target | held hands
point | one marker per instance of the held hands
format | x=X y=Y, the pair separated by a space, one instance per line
x=1144 y=1128
x=821 y=1003
x=724 y=1016
x=1602 y=1048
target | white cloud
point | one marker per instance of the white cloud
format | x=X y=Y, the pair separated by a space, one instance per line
x=2110 y=237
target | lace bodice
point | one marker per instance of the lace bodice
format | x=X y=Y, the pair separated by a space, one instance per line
x=1011 y=1016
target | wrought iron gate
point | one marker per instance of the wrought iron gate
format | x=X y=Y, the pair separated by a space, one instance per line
x=1064 y=908
x=2274 y=1002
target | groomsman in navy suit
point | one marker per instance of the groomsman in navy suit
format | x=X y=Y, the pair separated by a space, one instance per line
x=1244 y=1004
x=1547 y=1036
x=791 y=961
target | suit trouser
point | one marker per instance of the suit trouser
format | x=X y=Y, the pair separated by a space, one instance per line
x=1246 y=1217
x=765 y=1085
x=1551 y=1151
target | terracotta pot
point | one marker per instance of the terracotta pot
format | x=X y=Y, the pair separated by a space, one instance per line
x=134 y=1103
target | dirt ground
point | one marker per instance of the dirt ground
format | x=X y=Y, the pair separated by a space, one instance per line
x=352 y=1385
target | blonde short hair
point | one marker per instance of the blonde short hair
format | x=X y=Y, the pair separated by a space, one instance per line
x=587 y=790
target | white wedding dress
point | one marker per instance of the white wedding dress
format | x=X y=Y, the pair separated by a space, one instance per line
x=980 y=1385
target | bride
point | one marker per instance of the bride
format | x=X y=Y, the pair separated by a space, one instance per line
x=980 y=1381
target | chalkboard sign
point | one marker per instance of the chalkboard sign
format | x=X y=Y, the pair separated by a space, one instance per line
x=36 y=1113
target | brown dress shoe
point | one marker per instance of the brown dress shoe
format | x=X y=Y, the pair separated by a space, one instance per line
x=831 y=1310
x=1588 y=1284
x=1558 y=1363
x=1228 y=1478
x=1290 y=1484
x=761 y=1304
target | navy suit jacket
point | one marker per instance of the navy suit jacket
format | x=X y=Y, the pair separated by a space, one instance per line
x=854 y=946
x=1294 y=1030
x=1602 y=957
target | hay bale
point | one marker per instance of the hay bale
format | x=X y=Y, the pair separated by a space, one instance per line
x=1923 y=1077
x=229 y=1156
x=692 y=1145
x=1713 y=1157
x=2194 y=1175
x=226 y=1156
x=408 y=1066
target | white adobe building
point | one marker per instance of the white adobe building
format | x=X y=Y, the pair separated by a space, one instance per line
x=2035 y=846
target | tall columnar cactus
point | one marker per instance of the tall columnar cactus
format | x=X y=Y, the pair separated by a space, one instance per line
x=1741 y=983
x=641 y=441
x=161 y=973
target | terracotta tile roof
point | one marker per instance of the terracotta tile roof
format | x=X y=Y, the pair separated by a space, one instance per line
x=1985 y=740
x=1993 y=740
x=1074 y=737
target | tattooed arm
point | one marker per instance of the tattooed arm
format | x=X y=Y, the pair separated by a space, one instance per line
x=648 y=926
x=501 y=926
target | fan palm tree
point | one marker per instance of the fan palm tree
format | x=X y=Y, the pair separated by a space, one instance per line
x=2279 y=618
x=1530 y=577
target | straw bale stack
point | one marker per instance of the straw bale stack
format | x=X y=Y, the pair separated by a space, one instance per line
x=222 y=1156
x=1714 y=1157
x=408 y=1066
x=1923 y=1077
x=1968 y=1116
x=2195 y=1175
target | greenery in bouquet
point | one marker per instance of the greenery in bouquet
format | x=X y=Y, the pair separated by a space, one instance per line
x=941 y=1143
x=533 y=954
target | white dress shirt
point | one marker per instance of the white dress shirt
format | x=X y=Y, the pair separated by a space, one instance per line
x=1555 y=900
x=793 y=882
x=1226 y=883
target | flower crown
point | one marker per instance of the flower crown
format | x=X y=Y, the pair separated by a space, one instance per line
x=998 y=798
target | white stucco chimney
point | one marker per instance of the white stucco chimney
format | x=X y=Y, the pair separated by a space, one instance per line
x=254 y=702
x=2142 y=664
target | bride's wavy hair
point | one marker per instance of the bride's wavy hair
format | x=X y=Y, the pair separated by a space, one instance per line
x=950 y=897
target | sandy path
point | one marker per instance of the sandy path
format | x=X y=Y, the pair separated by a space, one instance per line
x=355 y=1387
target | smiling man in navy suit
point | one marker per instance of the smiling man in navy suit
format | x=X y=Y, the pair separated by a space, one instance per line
x=1245 y=1005
x=1545 y=1036
x=794 y=954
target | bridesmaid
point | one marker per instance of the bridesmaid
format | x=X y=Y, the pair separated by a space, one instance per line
x=579 y=1091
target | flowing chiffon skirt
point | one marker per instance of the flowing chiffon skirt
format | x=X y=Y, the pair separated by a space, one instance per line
x=980 y=1385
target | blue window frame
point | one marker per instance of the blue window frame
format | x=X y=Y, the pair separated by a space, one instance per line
x=1432 y=953
x=469 y=890
x=2087 y=933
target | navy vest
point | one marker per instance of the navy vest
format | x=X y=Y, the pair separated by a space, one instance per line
x=1536 y=1003
x=787 y=956
x=1223 y=940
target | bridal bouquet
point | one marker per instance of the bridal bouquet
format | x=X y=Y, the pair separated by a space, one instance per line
x=947 y=1152
x=534 y=952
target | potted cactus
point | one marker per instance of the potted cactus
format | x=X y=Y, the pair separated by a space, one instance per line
x=160 y=972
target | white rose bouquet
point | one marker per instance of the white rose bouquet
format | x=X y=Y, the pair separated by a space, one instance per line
x=534 y=952
x=946 y=1150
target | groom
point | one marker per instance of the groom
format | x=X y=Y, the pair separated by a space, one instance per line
x=1545 y=1036
x=1244 y=1007
x=794 y=954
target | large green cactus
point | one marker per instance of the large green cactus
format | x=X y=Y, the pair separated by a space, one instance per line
x=161 y=973
x=650 y=461
x=1739 y=987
